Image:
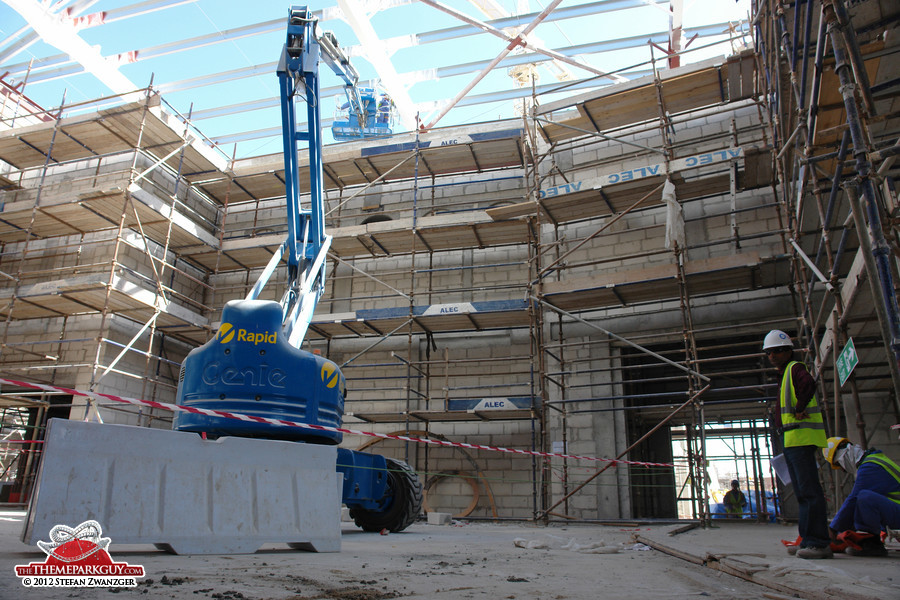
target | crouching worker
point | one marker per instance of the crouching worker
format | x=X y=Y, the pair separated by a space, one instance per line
x=874 y=502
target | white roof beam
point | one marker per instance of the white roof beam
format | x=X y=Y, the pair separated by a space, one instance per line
x=170 y=47
x=331 y=13
x=164 y=49
x=58 y=32
x=436 y=73
x=523 y=43
x=30 y=36
x=560 y=14
x=126 y=12
x=627 y=43
x=494 y=10
x=528 y=29
x=26 y=37
x=375 y=51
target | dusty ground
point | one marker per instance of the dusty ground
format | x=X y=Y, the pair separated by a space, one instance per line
x=481 y=560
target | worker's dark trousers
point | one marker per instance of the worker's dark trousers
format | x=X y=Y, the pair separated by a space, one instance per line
x=804 y=471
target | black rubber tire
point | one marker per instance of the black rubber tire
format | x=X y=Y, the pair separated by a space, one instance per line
x=403 y=497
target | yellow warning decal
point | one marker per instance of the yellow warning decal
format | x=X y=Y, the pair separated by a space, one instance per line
x=226 y=333
x=329 y=375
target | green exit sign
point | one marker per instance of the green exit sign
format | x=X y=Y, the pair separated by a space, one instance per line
x=847 y=360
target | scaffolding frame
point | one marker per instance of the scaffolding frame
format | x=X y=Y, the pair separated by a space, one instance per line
x=513 y=229
x=831 y=126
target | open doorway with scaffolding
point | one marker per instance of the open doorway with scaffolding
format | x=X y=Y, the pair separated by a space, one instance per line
x=722 y=436
x=735 y=451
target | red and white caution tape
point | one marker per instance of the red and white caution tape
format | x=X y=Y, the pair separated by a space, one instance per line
x=254 y=419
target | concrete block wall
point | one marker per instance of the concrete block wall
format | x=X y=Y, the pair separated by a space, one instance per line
x=133 y=376
x=85 y=168
x=33 y=345
x=695 y=133
x=63 y=350
x=254 y=218
x=164 y=183
x=66 y=257
x=376 y=384
x=511 y=491
x=488 y=365
x=588 y=375
x=152 y=379
x=394 y=200
x=503 y=482
x=460 y=276
x=67 y=182
x=54 y=259
x=600 y=434
x=640 y=234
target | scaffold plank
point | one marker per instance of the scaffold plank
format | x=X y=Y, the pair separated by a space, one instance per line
x=438 y=416
x=141 y=124
x=683 y=89
x=88 y=293
x=442 y=151
x=742 y=271
x=473 y=229
x=459 y=316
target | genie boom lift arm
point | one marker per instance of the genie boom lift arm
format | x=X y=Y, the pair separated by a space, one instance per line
x=254 y=364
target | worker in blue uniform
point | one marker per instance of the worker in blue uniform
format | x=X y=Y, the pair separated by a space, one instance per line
x=874 y=501
x=385 y=107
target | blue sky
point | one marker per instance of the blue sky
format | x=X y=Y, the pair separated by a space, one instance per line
x=150 y=32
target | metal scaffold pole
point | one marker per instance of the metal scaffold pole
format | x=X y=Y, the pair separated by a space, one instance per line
x=880 y=248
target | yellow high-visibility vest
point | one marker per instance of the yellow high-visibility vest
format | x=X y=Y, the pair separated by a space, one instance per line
x=888 y=465
x=807 y=432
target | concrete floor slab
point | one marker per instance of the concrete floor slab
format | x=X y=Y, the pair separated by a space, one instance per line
x=482 y=560
x=754 y=551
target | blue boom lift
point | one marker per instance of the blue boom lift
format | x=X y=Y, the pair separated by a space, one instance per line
x=254 y=364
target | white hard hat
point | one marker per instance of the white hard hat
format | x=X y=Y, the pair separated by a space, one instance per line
x=777 y=339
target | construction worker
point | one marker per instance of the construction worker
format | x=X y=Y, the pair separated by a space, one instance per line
x=874 y=502
x=804 y=433
x=735 y=501
x=385 y=107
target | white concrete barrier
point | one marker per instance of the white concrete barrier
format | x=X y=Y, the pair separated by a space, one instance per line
x=185 y=494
